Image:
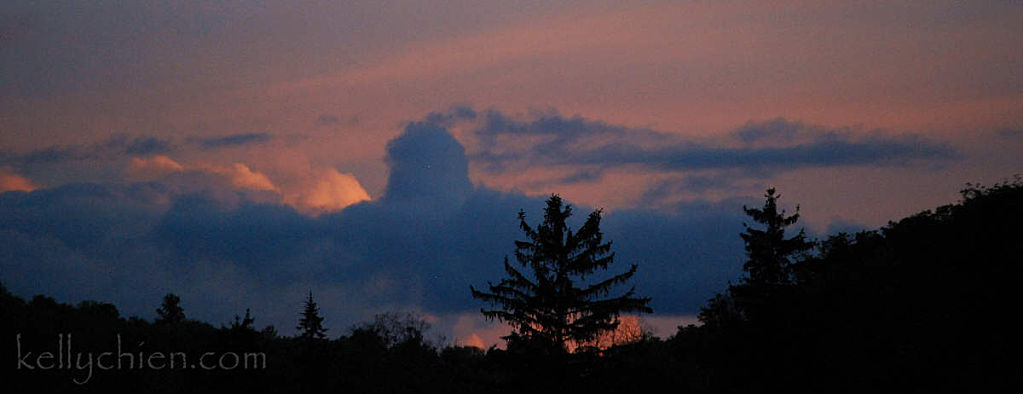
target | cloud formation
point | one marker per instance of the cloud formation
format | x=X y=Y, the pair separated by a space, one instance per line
x=233 y=140
x=11 y=181
x=419 y=247
x=119 y=145
x=153 y=167
x=241 y=176
x=695 y=68
x=237 y=175
x=321 y=191
x=330 y=191
x=427 y=162
x=605 y=163
x=778 y=145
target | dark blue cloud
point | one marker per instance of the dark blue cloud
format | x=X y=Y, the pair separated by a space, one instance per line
x=777 y=129
x=79 y=216
x=259 y=238
x=772 y=146
x=53 y=154
x=234 y=140
x=685 y=255
x=420 y=246
x=667 y=189
x=1010 y=133
x=558 y=132
x=879 y=151
x=581 y=176
x=101 y=161
x=427 y=163
x=451 y=116
x=327 y=120
x=143 y=145
x=116 y=146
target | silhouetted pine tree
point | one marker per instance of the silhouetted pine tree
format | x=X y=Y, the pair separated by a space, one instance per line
x=768 y=252
x=556 y=305
x=170 y=310
x=311 y=324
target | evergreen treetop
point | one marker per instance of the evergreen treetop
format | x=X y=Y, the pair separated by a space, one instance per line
x=310 y=326
x=554 y=304
x=768 y=252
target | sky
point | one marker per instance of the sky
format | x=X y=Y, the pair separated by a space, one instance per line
x=377 y=153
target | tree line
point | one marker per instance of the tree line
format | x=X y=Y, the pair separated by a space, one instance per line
x=920 y=305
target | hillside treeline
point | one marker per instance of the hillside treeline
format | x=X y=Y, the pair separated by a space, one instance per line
x=923 y=304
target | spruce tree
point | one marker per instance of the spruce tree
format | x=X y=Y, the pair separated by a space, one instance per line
x=768 y=252
x=555 y=305
x=311 y=324
x=763 y=296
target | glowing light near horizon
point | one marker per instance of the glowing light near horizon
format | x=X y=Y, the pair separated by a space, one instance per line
x=10 y=181
x=473 y=330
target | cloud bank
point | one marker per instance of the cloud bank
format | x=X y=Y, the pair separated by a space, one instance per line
x=233 y=140
x=229 y=236
x=778 y=145
x=225 y=248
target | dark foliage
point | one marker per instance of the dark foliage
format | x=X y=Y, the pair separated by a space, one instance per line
x=310 y=326
x=917 y=306
x=553 y=305
x=921 y=305
x=170 y=312
x=769 y=253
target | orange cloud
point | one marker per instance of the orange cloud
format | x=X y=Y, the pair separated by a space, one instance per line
x=238 y=174
x=152 y=168
x=242 y=177
x=310 y=191
x=10 y=181
x=329 y=191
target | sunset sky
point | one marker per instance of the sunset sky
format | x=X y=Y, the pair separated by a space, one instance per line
x=242 y=153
